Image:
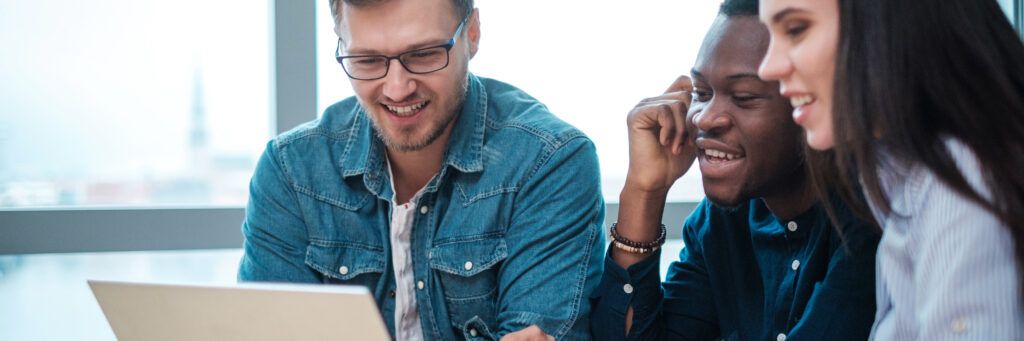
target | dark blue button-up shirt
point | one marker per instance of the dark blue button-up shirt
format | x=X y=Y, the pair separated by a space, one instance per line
x=746 y=275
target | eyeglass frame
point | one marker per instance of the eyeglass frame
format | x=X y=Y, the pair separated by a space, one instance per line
x=387 y=59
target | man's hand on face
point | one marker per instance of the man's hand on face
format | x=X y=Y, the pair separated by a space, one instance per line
x=660 y=146
x=531 y=333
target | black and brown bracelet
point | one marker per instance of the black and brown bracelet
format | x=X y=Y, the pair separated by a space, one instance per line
x=636 y=247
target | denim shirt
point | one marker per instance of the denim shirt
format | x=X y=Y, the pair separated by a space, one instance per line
x=508 y=233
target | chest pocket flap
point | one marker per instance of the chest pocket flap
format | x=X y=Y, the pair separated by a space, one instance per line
x=468 y=257
x=344 y=260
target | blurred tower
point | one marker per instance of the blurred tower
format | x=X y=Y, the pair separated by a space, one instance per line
x=193 y=185
x=198 y=142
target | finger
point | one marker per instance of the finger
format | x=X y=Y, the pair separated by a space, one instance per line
x=672 y=95
x=677 y=96
x=682 y=83
x=643 y=117
x=667 y=124
x=679 y=134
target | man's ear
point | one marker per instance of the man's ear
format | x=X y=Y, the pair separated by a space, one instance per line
x=473 y=32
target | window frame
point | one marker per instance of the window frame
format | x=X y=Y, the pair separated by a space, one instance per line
x=1018 y=19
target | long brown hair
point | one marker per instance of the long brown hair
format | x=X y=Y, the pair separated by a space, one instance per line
x=911 y=73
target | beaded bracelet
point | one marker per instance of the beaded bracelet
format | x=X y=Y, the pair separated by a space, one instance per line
x=638 y=245
x=636 y=250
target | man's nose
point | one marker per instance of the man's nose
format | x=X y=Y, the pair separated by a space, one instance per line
x=398 y=83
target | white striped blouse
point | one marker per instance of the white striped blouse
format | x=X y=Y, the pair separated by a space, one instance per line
x=945 y=268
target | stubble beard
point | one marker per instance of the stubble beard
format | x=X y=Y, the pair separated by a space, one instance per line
x=402 y=140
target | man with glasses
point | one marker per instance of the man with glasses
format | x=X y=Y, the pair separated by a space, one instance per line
x=467 y=208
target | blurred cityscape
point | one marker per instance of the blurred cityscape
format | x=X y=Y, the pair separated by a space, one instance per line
x=211 y=177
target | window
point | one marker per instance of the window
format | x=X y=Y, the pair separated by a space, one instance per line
x=116 y=94
x=1019 y=17
x=564 y=55
x=1007 y=6
x=132 y=103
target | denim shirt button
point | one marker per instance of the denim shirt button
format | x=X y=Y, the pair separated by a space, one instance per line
x=424 y=209
x=420 y=285
x=343 y=270
x=472 y=332
x=468 y=266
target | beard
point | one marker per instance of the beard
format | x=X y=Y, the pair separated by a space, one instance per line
x=406 y=140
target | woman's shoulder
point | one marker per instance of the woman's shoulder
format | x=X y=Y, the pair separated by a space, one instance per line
x=911 y=187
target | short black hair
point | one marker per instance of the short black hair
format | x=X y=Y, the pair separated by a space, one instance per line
x=732 y=8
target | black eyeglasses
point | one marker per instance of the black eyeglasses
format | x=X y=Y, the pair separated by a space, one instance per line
x=418 y=61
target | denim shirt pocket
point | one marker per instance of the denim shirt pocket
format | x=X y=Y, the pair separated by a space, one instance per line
x=346 y=263
x=468 y=274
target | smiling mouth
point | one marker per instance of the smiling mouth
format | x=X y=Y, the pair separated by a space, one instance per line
x=799 y=101
x=718 y=156
x=405 y=111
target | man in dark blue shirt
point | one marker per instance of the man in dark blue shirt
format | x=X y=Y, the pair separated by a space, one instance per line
x=762 y=259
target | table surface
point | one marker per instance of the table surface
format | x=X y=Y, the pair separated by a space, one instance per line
x=45 y=296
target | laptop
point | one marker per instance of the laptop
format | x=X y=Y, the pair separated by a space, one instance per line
x=245 y=311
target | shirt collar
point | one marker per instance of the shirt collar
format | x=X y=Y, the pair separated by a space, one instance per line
x=762 y=220
x=467 y=140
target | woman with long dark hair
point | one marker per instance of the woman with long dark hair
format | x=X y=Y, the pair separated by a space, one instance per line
x=920 y=106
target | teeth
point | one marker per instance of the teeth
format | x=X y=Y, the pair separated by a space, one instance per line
x=798 y=101
x=406 y=110
x=720 y=154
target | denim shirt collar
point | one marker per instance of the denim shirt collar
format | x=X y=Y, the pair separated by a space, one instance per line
x=365 y=152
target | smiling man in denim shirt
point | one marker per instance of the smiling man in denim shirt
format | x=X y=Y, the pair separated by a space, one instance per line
x=467 y=208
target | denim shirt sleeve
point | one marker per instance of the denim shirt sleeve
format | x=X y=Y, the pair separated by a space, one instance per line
x=683 y=308
x=554 y=245
x=274 y=232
